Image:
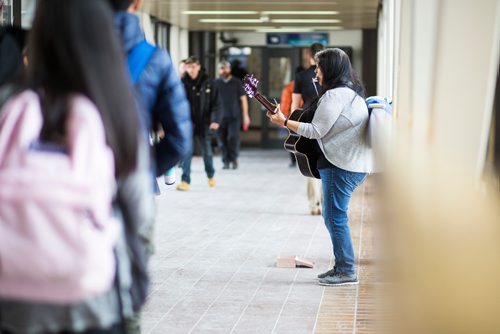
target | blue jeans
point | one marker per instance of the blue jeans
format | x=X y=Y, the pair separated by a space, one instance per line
x=338 y=186
x=205 y=144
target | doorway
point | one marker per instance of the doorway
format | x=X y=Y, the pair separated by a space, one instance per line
x=278 y=68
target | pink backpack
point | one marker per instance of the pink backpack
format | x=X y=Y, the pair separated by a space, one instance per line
x=57 y=230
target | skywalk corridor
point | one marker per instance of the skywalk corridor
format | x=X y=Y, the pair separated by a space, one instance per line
x=215 y=271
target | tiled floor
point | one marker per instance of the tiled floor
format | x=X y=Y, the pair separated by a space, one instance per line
x=214 y=268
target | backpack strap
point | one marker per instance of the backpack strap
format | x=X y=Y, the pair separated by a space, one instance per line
x=138 y=58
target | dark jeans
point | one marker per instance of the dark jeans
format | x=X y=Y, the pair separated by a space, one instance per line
x=229 y=139
x=338 y=186
x=205 y=143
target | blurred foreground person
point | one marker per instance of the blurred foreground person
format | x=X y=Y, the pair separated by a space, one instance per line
x=339 y=125
x=162 y=102
x=66 y=145
x=160 y=94
x=12 y=44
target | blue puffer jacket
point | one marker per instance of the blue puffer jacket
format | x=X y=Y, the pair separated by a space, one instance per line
x=161 y=94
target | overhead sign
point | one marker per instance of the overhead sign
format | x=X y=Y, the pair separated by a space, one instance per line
x=304 y=39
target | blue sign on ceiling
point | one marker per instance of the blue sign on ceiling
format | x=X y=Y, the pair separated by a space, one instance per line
x=305 y=39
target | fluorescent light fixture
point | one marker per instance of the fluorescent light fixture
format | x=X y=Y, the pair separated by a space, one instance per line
x=253 y=28
x=291 y=29
x=299 y=12
x=219 y=12
x=306 y=21
x=230 y=21
x=327 y=28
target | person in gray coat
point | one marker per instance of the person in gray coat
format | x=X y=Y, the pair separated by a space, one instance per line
x=339 y=125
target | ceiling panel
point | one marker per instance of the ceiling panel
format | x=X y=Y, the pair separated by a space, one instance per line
x=251 y=16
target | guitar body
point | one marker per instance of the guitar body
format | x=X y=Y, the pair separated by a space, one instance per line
x=306 y=151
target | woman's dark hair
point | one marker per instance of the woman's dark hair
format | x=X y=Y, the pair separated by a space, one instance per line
x=73 y=49
x=315 y=48
x=337 y=71
x=120 y=5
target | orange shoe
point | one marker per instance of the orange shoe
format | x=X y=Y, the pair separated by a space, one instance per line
x=316 y=212
x=211 y=182
x=183 y=186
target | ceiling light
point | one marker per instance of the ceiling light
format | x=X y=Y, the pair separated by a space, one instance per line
x=244 y=28
x=327 y=28
x=291 y=29
x=298 y=12
x=306 y=21
x=219 y=12
x=230 y=21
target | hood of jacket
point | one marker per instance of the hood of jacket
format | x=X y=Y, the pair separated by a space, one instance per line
x=129 y=29
x=202 y=77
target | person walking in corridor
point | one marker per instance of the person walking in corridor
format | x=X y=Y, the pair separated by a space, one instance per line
x=163 y=108
x=235 y=110
x=306 y=89
x=206 y=112
x=78 y=134
x=159 y=92
x=339 y=125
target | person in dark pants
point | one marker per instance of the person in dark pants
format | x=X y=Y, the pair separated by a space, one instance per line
x=206 y=111
x=235 y=107
x=307 y=89
x=238 y=71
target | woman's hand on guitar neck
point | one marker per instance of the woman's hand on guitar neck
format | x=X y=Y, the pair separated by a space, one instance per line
x=278 y=117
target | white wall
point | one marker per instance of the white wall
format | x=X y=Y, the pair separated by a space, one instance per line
x=445 y=74
x=179 y=46
x=27 y=13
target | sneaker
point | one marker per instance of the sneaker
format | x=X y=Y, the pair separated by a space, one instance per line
x=235 y=164
x=225 y=166
x=339 y=279
x=211 y=182
x=328 y=273
x=316 y=212
x=170 y=176
x=183 y=186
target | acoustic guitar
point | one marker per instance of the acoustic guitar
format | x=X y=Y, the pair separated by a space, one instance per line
x=306 y=150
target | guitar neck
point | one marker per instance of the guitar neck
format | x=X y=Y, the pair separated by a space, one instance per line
x=271 y=107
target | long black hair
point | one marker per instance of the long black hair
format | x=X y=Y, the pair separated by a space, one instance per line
x=120 y=5
x=337 y=71
x=73 y=49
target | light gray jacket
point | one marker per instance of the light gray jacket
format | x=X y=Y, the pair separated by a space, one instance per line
x=339 y=125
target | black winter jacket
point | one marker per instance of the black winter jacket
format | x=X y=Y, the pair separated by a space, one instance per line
x=204 y=98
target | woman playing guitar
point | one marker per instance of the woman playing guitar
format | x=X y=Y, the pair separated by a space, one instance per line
x=339 y=126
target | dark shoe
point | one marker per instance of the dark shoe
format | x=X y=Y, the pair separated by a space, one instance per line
x=235 y=164
x=328 y=273
x=225 y=166
x=339 y=279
